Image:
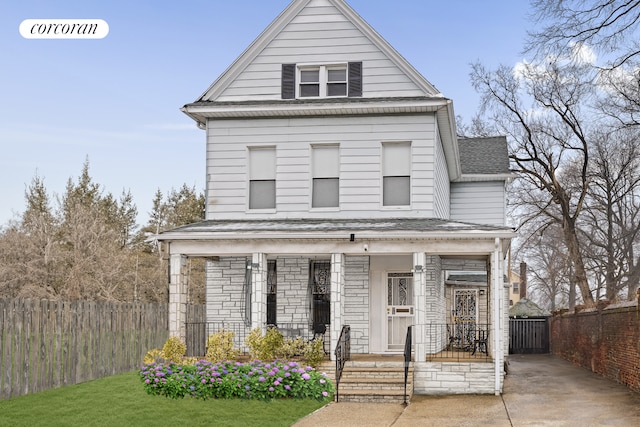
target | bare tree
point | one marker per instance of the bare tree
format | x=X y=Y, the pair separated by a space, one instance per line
x=611 y=26
x=608 y=27
x=547 y=259
x=611 y=222
x=549 y=141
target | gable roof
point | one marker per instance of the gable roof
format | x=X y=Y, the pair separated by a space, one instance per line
x=289 y=13
x=484 y=156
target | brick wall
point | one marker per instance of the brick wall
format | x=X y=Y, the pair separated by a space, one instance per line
x=606 y=341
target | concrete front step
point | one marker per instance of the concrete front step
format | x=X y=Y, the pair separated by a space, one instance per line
x=379 y=396
x=375 y=379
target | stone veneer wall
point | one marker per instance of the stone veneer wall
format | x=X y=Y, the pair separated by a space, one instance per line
x=453 y=378
x=225 y=279
x=292 y=300
x=436 y=300
x=356 y=302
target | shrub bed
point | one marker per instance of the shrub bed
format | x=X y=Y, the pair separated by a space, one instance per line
x=255 y=380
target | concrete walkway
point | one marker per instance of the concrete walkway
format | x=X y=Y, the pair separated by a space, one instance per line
x=540 y=390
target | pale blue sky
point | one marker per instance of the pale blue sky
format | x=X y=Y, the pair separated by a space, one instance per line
x=116 y=100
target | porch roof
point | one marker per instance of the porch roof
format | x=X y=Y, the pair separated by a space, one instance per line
x=336 y=228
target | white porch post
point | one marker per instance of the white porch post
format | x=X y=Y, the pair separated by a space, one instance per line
x=420 y=306
x=337 y=299
x=177 y=297
x=258 y=291
x=497 y=292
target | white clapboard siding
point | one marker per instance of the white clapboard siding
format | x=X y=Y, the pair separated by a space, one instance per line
x=360 y=140
x=320 y=34
x=478 y=202
x=441 y=203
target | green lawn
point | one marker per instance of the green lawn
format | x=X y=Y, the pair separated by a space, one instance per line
x=121 y=401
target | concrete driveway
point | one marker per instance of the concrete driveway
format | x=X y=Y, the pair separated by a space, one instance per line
x=540 y=390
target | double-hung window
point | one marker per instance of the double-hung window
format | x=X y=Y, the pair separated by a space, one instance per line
x=262 y=178
x=322 y=81
x=325 y=169
x=396 y=174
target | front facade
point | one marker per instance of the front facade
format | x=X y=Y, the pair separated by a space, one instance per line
x=339 y=194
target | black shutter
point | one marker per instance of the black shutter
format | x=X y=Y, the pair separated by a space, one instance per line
x=355 y=79
x=288 y=81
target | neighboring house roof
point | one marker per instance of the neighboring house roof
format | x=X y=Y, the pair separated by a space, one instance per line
x=331 y=228
x=484 y=156
x=527 y=308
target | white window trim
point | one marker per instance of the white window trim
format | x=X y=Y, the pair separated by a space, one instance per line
x=312 y=177
x=248 y=210
x=382 y=175
x=323 y=79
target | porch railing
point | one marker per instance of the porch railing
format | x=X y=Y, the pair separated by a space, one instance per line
x=198 y=332
x=458 y=341
x=343 y=353
x=407 y=359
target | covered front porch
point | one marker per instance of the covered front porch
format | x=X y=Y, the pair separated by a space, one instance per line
x=379 y=282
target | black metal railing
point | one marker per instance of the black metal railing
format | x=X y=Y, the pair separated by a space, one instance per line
x=458 y=341
x=343 y=353
x=198 y=332
x=407 y=359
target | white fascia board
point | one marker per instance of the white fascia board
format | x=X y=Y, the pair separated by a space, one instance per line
x=507 y=177
x=278 y=109
x=448 y=133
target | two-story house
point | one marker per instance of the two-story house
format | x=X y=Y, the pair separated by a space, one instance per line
x=339 y=194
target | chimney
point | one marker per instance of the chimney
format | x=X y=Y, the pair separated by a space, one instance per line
x=523 y=280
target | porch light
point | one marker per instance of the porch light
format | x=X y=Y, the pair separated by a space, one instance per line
x=417 y=269
x=481 y=292
x=352 y=237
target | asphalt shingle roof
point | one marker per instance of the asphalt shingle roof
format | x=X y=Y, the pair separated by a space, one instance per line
x=527 y=308
x=489 y=155
x=353 y=225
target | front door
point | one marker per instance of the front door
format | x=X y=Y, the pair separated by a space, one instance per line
x=399 y=309
x=465 y=316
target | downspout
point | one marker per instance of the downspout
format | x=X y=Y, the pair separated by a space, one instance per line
x=497 y=318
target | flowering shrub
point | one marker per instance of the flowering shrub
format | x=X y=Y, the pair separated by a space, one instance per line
x=255 y=380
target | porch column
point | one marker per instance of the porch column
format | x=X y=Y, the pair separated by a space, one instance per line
x=177 y=297
x=259 y=291
x=497 y=292
x=420 y=306
x=337 y=299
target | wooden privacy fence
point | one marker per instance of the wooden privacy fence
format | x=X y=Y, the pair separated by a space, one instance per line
x=49 y=344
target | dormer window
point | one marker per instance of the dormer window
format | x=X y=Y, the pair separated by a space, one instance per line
x=322 y=81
